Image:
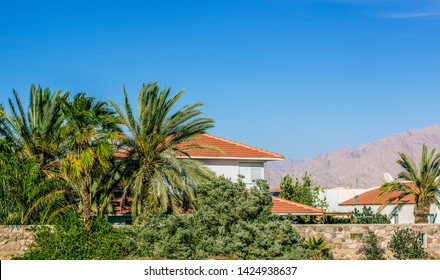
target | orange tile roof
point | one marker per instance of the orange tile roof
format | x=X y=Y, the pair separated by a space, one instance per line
x=370 y=198
x=284 y=206
x=280 y=206
x=228 y=149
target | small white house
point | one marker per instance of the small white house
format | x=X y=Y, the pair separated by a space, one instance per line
x=336 y=195
x=403 y=216
x=232 y=158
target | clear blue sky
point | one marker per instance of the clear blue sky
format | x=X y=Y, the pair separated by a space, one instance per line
x=296 y=77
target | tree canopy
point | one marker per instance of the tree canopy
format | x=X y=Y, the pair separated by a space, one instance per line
x=303 y=191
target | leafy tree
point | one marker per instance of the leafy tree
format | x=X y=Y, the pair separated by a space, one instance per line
x=367 y=216
x=90 y=130
x=159 y=177
x=229 y=222
x=371 y=248
x=425 y=180
x=407 y=244
x=303 y=191
x=37 y=132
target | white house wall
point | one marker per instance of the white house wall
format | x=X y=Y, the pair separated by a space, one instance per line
x=337 y=195
x=231 y=168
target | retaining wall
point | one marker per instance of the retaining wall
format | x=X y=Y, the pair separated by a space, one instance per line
x=14 y=240
x=346 y=240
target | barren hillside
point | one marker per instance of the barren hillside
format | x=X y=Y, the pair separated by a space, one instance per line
x=361 y=167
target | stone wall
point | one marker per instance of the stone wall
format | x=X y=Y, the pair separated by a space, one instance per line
x=345 y=240
x=14 y=240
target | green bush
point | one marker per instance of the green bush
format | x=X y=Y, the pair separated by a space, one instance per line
x=69 y=240
x=371 y=248
x=25 y=196
x=320 y=246
x=407 y=244
x=229 y=222
x=367 y=216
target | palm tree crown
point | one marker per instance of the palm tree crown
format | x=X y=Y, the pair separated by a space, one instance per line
x=426 y=182
x=37 y=132
x=160 y=178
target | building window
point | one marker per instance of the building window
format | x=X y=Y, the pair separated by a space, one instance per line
x=255 y=173
x=431 y=218
x=251 y=171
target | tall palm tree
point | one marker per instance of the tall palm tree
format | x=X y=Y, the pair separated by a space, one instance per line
x=426 y=182
x=160 y=178
x=90 y=131
x=37 y=132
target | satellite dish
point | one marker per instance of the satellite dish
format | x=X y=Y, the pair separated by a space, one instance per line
x=388 y=177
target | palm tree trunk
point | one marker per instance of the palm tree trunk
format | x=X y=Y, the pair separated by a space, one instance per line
x=85 y=195
x=421 y=212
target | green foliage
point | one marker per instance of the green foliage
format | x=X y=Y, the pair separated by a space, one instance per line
x=91 y=128
x=335 y=220
x=303 y=191
x=371 y=248
x=70 y=240
x=425 y=187
x=36 y=133
x=156 y=177
x=26 y=197
x=318 y=245
x=407 y=244
x=229 y=222
x=367 y=216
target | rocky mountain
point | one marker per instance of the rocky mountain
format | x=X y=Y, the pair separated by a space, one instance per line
x=360 y=167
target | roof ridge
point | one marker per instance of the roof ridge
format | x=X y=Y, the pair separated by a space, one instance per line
x=243 y=145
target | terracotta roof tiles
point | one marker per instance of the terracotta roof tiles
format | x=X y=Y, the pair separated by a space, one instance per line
x=370 y=198
x=228 y=149
x=284 y=206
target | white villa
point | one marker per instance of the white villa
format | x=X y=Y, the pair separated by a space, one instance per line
x=232 y=158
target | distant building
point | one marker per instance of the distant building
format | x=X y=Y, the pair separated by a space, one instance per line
x=336 y=195
x=403 y=216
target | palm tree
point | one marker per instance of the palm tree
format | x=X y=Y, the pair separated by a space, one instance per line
x=425 y=179
x=90 y=131
x=160 y=178
x=37 y=132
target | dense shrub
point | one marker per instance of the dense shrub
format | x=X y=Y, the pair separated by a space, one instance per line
x=371 y=249
x=367 y=216
x=229 y=222
x=26 y=197
x=69 y=240
x=407 y=244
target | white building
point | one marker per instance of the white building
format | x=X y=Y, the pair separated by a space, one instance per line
x=336 y=195
x=232 y=158
x=403 y=216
